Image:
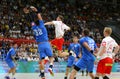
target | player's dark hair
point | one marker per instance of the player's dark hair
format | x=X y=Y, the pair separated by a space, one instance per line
x=13 y=43
x=86 y=32
x=37 y=22
x=61 y=17
x=76 y=36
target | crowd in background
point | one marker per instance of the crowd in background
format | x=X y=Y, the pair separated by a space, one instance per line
x=78 y=15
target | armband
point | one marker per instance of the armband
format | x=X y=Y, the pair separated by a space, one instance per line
x=91 y=51
x=78 y=57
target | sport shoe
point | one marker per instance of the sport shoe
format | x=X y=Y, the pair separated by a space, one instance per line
x=73 y=54
x=51 y=71
x=42 y=75
x=7 y=77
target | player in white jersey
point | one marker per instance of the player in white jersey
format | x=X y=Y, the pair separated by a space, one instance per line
x=60 y=28
x=107 y=51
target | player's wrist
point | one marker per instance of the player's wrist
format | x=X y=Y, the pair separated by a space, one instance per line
x=37 y=12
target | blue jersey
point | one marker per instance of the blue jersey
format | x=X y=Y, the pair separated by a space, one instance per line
x=85 y=53
x=10 y=53
x=40 y=32
x=75 y=47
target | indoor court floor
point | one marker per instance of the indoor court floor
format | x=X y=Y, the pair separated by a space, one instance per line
x=56 y=76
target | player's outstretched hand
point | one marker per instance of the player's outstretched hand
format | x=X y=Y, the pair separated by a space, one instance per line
x=97 y=59
x=33 y=8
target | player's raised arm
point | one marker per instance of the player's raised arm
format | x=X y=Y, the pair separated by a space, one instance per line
x=49 y=23
x=38 y=13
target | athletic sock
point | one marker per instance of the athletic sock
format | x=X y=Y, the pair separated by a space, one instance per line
x=51 y=65
x=42 y=74
x=105 y=77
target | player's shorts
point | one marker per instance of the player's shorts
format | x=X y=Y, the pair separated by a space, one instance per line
x=11 y=64
x=44 y=50
x=105 y=65
x=71 y=61
x=85 y=64
x=58 y=43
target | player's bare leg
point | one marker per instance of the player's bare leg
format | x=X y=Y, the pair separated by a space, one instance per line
x=97 y=76
x=73 y=74
x=67 y=72
x=7 y=75
x=13 y=72
x=41 y=66
x=91 y=75
x=62 y=54
x=51 y=65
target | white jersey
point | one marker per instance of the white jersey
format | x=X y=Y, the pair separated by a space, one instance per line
x=109 y=43
x=59 y=28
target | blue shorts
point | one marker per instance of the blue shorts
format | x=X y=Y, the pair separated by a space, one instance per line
x=11 y=64
x=71 y=61
x=44 y=50
x=85 y=64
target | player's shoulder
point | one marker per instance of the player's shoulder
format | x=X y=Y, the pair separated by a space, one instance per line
x=106 y=39
x=55 y=21
x=83 y=38
x=91 y=39
x=12 y=49
x=71 y=44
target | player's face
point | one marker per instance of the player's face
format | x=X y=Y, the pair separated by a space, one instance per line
x=104 y=33
x=82 y=34
x=15 y=45
x=75 y=39
x=58 y=19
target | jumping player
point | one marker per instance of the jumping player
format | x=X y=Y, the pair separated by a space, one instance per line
x=107 y=51
x=75 y=47
x=60 y=28
x=87 y=60
x=44 y=48
x=10 y=60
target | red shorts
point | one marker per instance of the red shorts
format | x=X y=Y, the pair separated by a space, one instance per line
x=58 y=43
x=105 y=66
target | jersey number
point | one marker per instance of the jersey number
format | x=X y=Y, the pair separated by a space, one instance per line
x=38 y=32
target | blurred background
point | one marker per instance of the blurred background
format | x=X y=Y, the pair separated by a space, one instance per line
x=78 y=14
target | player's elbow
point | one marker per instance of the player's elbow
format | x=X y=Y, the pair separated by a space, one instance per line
x=117 y=48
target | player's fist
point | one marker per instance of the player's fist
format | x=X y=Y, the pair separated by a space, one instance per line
x=33 y=8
